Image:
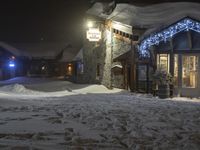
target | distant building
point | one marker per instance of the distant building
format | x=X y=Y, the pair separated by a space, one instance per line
x=135 y=41
x=71 y=63
x=12 y=62
x=36 y=59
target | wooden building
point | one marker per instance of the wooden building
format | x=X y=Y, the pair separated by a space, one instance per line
x=176 y=49
x=138 y=40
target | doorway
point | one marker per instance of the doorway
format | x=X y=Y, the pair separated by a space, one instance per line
x=186 y=75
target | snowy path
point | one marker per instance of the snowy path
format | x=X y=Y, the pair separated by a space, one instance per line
x=116 y=121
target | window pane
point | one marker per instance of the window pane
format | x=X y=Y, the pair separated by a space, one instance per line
x=69 y=69
x=176 y=70
x=189 y=71
x=163 y=62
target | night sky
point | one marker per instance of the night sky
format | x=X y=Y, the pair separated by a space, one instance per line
x=41 y=20
x=45 y=20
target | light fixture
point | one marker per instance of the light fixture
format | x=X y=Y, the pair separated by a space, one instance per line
x=11 y=65
x=90 y=24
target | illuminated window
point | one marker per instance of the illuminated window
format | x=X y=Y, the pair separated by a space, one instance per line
x=189 y=71
x=69 y=69
x=163 y=62
x=176 y=70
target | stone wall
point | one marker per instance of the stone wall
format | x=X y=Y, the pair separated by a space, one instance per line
x=106 y=78
x=102 y=53
x=94 y=54
x=120 y=46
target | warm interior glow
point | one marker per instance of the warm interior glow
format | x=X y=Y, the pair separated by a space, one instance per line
x=163 y=62
x=189 y=71
x=176 y=70
x=69 y=69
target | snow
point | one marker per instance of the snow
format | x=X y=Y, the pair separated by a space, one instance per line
x=79 y=56
x=117 y=66
x=97 y=10
x=22 y=87
x=12 y=49
x=33 y=116
x=48 y=50
x=69 y=54
x=153 y=17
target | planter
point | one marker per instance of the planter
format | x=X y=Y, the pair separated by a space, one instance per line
x=163 y=91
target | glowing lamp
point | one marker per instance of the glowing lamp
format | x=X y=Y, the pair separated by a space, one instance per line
x=11 y=65
x=90 y=24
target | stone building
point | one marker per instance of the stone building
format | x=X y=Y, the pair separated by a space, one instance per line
x=101 y=63
x=136 y=40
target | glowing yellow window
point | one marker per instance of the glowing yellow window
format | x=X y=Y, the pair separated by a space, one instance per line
x=69 y=69
x=175 y=70
x=189 y=71
x=163 y=62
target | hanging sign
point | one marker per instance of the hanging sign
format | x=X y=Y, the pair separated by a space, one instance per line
x=93 y=34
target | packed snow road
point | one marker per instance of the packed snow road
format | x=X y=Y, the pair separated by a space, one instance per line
x=90 y=117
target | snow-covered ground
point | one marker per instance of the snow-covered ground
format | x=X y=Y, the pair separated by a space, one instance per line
x=46 y=114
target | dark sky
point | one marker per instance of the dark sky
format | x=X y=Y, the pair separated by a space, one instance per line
x=49 y=20
x=33 y=20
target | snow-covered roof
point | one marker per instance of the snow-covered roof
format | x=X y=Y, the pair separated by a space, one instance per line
x=151 y=17
x=48 y=50
x=68 y=54
x=156 y=16
x=12 y=49
x=101 y=10
x=79 y=56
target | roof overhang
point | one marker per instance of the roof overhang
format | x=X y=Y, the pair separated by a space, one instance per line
x=184 y=24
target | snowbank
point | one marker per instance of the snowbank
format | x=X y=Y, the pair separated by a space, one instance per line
x=48 y=88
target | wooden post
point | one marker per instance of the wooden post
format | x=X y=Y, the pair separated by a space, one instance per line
x=111 y=59
x=147 y=77
x=132 y=71
x=190 y=39
x=171 y=58
x=171 y=67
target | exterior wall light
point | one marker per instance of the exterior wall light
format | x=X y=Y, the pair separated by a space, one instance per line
x=90 y=24
x=11 y=65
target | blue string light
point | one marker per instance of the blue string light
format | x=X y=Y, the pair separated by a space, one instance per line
x=154 y=39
